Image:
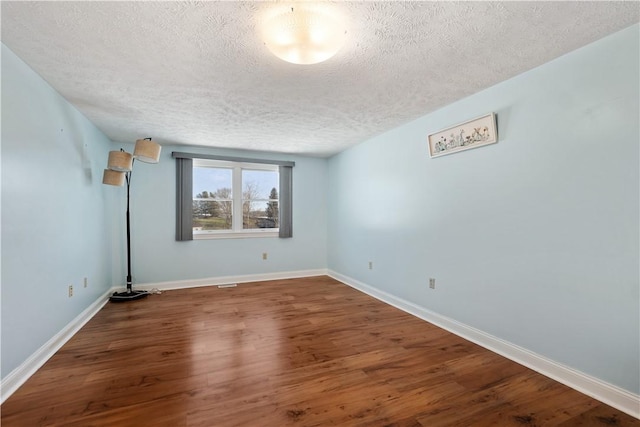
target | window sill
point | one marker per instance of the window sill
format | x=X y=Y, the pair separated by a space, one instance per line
x=240 y=235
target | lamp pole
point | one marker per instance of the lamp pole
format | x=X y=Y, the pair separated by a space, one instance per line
x=119 y=169
x=129 y=294
x=129 y=279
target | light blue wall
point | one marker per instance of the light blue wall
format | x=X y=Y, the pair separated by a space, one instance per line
x=60 y=224
x=533 y=239
x=158 y=257
x=54 y=225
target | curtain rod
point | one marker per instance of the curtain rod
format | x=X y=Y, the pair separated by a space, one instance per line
x=180 y=155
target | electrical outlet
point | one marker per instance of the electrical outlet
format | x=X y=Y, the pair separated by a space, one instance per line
x=370 y=265
x=70 y=291
x=432 y=283
x=264 y=255
x=86 y=282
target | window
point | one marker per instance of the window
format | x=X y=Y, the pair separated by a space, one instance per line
x=232 y=197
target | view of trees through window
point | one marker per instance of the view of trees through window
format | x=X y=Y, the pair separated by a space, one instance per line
x=216 y=205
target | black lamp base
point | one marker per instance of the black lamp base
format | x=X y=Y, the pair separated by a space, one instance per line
x=127 y=296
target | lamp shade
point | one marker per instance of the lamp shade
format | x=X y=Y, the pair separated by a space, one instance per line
x=147 y=151
x=111 y=177
x=304 y=34
x=120 y=161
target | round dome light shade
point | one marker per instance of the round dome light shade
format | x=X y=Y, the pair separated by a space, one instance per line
x=304 y=34
x=120 y=161
x=147 y=151
x=111 y=177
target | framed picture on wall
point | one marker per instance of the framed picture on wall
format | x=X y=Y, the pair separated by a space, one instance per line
x=464 y=136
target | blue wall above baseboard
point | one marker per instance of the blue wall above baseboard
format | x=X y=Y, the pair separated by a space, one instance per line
x=55 y=220
x=535 y=239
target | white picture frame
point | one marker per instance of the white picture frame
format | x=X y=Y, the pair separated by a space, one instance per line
x=473 y=133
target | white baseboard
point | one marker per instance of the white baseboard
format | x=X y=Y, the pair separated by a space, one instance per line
x=22 y=373
x=225 y=280
x=614 y=396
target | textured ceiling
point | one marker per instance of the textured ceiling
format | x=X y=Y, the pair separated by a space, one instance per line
x=197 y=73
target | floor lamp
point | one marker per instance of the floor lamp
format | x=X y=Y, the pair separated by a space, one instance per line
x=119 y=170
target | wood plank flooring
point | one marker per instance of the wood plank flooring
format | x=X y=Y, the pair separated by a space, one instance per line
x=300 y=352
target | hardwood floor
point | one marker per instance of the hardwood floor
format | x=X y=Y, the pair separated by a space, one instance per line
x=301 y=352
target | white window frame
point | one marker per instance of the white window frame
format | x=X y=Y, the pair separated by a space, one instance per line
x=236 y=232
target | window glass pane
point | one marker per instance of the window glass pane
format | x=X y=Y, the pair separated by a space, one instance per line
x=259 y=184
x=271 y=214
x=216 y=181
x=259 y=199
x=212 y=199
x=212 y=215
x=259 y=214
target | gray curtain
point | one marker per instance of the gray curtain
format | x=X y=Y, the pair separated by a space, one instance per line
x=184 y=199
x=285 y=204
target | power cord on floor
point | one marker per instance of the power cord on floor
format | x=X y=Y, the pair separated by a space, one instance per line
x=155 y=291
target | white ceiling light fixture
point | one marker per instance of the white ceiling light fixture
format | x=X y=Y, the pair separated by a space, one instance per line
x=304 y=33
